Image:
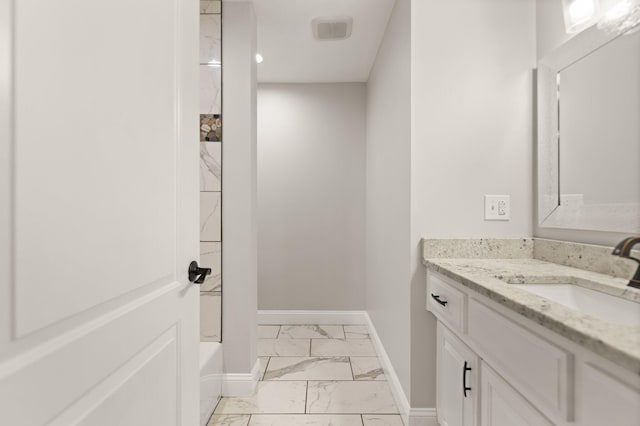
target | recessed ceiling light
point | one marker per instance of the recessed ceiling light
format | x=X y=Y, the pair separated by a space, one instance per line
x=259 y=58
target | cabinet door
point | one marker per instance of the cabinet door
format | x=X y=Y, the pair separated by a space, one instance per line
x=457 y=370
x=605 y=400
x=502 y=405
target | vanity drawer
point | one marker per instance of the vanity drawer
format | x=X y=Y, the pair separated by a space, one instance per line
x=446 y=302
x=539 y=370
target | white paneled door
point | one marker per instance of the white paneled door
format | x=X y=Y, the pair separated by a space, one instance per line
x=98 y=212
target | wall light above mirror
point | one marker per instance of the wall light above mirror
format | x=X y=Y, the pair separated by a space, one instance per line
x=612 y=16
x=579 y=14
x=589 y=133
x=621 y=16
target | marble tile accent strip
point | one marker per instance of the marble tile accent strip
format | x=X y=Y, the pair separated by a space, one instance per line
x=477 y=248
x=306 y=368
x=210 y=89
x=210 y=166
x=268 y=331
x=229 y=420
x=382 y=420
x=350 y=397
x=335 y=347
x=211 y=257
x=210 y=317
x=283 y=347
x=210 y=58
x=356 y=332
x=210 y=40
x=210 y=6
x=311 y=332
x=585 y=256
x=367 y=368
x=305 y=420
x=210 y=217
x=210 y=128
x=269 y=397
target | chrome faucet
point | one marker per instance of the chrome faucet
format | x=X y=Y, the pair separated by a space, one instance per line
x=623 y=249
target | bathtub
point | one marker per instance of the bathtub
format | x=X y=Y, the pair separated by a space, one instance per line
x=210 y=379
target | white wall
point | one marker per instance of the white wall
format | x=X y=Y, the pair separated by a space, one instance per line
x=239 y=183
x=388 y=191
x=311 y=189
x=471 y=134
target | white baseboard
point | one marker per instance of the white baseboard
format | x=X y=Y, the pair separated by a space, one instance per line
x=423 y=417
x=389 y=371
x=312 y=317
x=241 y=384
x=410 y=416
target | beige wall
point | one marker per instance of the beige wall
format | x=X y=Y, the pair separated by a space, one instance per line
x=311 y=175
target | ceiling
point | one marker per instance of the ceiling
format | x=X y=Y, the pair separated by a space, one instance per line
x=292 y=55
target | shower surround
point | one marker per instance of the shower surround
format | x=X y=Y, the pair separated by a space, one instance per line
x=211 y=169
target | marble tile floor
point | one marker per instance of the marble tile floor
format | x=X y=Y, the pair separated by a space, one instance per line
x=314 y=375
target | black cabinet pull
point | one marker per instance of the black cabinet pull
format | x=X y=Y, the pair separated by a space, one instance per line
x=437 y=299
x=197 y=274
x=465 y=388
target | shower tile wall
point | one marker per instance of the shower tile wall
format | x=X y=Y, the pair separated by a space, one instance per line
x=211 y=169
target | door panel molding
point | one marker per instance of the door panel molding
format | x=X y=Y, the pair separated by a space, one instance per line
x=76 y=367
x=82 y=408
x=79 y=319
x=59 y=339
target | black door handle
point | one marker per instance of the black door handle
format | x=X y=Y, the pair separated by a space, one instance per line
x=198 y=274
x=437 y=299
x=465 y=388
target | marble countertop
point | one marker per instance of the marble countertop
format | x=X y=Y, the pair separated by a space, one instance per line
x=491 y=277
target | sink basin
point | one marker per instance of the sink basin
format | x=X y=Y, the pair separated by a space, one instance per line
x=594 y=303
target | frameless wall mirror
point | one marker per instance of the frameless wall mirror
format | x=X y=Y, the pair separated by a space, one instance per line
x=589 y=133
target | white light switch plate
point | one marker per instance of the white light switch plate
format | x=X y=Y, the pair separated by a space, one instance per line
x=497 y=207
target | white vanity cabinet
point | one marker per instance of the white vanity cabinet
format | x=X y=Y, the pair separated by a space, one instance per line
x=520 y=372
x=605 y=400
x=502 y=405
x=457 y=381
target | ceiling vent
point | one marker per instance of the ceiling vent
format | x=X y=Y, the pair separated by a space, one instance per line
x=332 y=28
